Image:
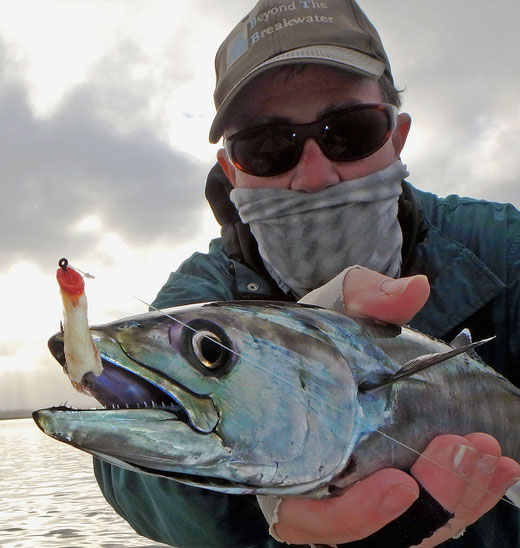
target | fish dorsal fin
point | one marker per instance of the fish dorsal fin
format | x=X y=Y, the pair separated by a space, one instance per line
x=378 y=329
x=513 y=493
x=416 y=365
x=462 y=339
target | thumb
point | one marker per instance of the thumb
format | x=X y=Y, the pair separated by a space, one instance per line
x=369 y=294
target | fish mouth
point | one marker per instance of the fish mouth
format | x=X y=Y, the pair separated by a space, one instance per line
x=125 y=384
x=93 y=431
x=118 y=388
x=147 y=423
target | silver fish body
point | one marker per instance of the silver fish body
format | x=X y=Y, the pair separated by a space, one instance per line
x=267 y=398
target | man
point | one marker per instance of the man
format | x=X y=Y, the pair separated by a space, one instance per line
x=309 y=184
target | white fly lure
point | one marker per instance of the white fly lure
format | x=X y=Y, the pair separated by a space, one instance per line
x=81 y=353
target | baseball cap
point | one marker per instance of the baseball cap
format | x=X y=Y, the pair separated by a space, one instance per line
x=281 y=32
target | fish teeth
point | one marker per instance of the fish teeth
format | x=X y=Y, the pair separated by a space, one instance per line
x=143 y=405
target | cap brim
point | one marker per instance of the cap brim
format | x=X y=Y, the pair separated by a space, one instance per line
x=343 y=58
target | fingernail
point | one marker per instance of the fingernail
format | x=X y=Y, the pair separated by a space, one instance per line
x=464 y=459
x=397 y=499
x=394 y=287
x=486 y=463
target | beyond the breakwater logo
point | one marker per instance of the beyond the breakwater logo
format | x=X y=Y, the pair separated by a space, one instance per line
x=276 y=19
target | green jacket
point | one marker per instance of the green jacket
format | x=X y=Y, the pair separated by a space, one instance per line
x=470 y=251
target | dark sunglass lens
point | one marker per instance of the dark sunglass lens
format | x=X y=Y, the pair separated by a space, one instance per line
x=355 y=134
x=266 y=151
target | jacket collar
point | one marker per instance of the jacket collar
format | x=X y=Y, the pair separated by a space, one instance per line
x=460 y=282
x=238 y=242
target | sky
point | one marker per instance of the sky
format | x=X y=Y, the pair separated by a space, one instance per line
x=105 y=109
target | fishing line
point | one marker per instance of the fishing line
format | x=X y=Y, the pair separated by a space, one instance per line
x=335 y=408
x=154 y=308
x=202 y=334
x=445 y=468
x=64 y=263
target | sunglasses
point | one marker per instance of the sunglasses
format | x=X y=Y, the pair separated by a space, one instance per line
x=349 y=134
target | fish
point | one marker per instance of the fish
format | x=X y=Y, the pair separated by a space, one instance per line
x=274 y=398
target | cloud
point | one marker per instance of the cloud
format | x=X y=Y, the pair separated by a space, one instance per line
x=457 y=63
x=87 y=159
x=9 y=349
x=104 y=150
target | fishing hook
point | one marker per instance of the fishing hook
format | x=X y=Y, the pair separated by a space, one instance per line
x=64 y=265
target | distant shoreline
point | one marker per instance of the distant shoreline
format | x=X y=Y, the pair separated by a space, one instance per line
x=9 y=414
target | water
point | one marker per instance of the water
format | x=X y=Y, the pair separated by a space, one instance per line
x=49 y=497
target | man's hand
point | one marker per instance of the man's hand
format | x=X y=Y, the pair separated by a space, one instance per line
x=368 y=294
x=380 y=498
x=483 y=476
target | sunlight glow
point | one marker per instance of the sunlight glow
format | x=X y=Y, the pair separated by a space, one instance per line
x=92 y=223
x=57 y=52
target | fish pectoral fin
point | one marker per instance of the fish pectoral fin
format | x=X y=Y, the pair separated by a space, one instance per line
x=416 y=365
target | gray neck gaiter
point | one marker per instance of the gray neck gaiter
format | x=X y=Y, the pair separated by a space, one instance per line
x=307 y=238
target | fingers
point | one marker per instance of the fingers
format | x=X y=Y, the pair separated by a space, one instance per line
x=458 y=463
x=362 y=510
x=368 y=294
x=468 y=478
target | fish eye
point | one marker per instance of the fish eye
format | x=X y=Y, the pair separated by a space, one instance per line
x=206 y=346
x=208 y=349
